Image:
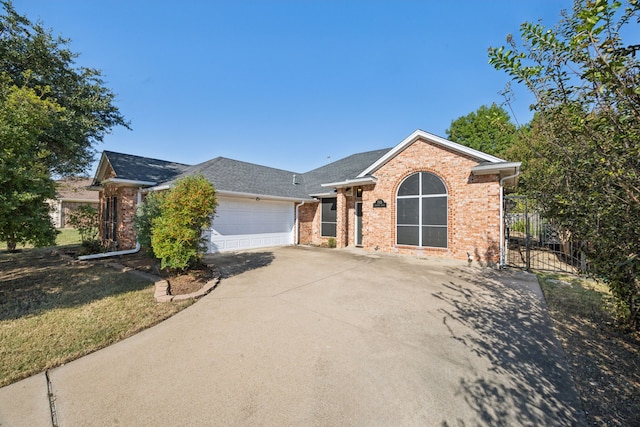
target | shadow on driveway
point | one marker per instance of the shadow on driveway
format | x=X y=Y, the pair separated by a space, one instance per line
x=502 y=321
x=233 y=264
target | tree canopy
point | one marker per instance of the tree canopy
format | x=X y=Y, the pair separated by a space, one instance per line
x=52 y=113
x=31 y=56
x=488 y=129
x=582 y=152
x=25 y=182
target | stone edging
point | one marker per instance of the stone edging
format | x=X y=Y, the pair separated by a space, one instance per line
x=161 y=293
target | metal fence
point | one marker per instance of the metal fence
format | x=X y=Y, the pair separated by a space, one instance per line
x=533 y=242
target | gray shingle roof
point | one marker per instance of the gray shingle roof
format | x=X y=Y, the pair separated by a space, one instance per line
x=340 y=170
x=137 y=168
x=242 y=177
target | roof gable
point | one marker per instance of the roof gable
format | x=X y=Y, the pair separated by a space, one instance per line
x=136 y=169
x=433 y=139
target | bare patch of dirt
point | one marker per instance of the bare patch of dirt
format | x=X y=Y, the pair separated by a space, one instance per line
x=182 y=283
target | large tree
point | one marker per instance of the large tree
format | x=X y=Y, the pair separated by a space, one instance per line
x=42 y=68
x=25 y=182
x=488 y=129
x=582 y=154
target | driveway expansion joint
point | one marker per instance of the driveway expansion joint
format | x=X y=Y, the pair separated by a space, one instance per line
x=52 y=400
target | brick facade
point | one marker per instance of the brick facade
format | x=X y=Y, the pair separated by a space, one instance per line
x=473 y=207
x=471 y=179
x=127 y=203
x=308 y=223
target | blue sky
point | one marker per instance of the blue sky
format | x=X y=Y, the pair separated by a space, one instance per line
x=289 y=84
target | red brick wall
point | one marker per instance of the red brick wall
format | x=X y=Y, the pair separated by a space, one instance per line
x=126 y=210
x=473 y=204
x=473 y=207
x=308 y=225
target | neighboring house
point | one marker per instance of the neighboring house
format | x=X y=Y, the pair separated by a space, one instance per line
x=71 y=193
x=426 y=196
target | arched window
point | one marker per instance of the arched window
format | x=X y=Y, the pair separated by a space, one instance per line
x=421 y=211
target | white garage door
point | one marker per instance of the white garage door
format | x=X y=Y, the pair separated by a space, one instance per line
x=248 y=223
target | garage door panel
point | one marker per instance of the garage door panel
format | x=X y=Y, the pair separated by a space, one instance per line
x=247 y=223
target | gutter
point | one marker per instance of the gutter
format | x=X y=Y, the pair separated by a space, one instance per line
x=502 y=245
x=115 y=253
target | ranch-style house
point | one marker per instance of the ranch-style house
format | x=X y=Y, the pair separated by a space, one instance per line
x=426 y=196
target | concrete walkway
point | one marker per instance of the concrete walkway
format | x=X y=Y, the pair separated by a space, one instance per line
x=319 y=337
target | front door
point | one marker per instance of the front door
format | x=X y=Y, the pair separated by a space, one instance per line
x=358 y=230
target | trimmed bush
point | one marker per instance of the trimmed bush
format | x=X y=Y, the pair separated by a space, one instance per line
x=185 y=212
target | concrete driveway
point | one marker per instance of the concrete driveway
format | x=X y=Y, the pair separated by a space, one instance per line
x=319 y=337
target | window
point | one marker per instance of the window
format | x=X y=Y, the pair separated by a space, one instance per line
x=421 y=211
x=328 y=221
x=110 y=217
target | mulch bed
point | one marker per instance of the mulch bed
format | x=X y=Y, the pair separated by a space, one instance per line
x=179 y=283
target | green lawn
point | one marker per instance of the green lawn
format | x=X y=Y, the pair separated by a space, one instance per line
x=67 y=236
x=53 y=311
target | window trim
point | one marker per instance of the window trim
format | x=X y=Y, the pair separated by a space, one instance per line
x=110 y=218
x=420 y=225
x=323 y=221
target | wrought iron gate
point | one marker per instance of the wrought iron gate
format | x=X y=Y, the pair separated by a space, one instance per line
x=533 y=242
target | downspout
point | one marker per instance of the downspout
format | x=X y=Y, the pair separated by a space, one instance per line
x=297 y=240
x=502 y=247
x=116 y=253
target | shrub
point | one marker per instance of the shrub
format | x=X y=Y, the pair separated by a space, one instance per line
x=89 y=247
x=185 y=211
x=143 y=220
x=85 y=220
x=331 y=242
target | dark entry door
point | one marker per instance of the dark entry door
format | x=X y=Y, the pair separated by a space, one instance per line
x=358 y=238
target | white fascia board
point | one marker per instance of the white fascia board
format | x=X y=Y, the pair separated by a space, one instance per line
x=321 y=195
x=128 y=182
x=156 y=188
x=420 y=134
x=261 y=196
x=102 y=165
x=488 y=169
x=351 y=182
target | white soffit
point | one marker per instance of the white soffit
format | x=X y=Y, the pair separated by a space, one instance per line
x=493 y=168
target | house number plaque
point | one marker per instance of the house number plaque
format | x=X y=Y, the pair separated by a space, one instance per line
x=379 y=204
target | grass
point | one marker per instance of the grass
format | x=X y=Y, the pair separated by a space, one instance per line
x=576 y=296
x=67 y=236
x=604 y=360
x=53 y=311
